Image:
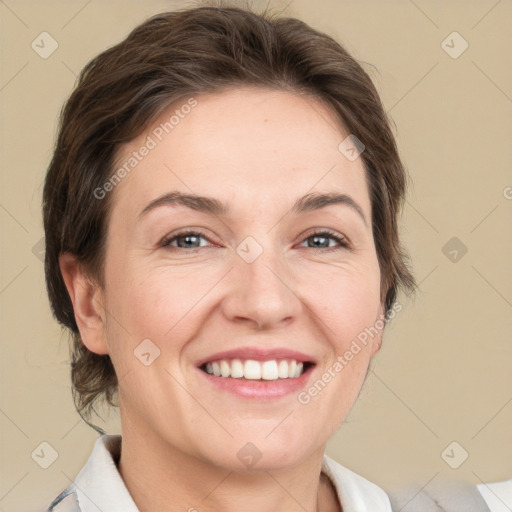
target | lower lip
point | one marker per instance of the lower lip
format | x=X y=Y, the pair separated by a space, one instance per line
x=259 y=389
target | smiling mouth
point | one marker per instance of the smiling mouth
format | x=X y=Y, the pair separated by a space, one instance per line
x=250 y=369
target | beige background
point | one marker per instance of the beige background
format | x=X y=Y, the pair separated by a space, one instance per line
x=444 y=373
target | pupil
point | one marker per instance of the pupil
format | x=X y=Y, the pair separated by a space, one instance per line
x=315 y=244
x=187 y=239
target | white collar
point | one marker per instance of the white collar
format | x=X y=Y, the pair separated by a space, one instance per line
x=498 y=495
x=100 y=488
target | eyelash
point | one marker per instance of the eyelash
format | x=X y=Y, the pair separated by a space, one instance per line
x=325 y=233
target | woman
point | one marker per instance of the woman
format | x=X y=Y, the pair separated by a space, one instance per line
x=221 y=227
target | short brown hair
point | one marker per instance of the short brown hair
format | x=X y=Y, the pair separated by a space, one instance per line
x=187 y=52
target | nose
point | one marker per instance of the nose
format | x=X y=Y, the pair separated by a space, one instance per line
x=261 y=292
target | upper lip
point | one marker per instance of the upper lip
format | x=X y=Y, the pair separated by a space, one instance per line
x=258 y=354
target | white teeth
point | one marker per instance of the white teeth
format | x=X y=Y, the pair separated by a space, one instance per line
x=282 y=371
x=225 y=370
x=237 y=369
x=256 y=370
x=252 y=370
x=269 y=370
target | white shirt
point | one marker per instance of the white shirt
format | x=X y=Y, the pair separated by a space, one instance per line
x=454 y=496
x=100 y=488
x=497 y=495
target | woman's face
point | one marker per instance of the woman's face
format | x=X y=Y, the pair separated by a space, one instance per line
x=253 y=282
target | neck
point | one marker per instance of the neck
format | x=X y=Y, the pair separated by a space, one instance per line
x=162 y=477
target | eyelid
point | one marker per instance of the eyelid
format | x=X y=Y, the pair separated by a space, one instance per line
x=320 y=231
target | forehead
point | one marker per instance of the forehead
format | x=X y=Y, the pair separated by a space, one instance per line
x=248 y=146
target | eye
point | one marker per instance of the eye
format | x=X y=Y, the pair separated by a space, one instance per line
x=191 y=240
x=321 y=240
x=184 y=240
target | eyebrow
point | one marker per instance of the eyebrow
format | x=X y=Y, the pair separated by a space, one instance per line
x=308 y=203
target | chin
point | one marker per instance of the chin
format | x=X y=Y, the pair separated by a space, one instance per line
x=277 y=452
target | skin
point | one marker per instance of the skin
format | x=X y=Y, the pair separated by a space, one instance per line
x=258 y=151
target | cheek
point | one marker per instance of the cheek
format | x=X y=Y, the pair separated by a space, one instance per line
x=347 y=304
x=346 y=299
x=162 y=304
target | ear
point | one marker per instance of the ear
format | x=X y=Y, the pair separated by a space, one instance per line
x=87 y=299
x=379 y=321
